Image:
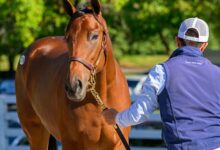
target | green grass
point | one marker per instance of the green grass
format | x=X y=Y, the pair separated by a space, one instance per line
x=142 y=61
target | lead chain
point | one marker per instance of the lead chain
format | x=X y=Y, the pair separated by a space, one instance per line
x=93 y=91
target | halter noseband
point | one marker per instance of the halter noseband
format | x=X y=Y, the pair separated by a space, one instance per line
x=88 y=65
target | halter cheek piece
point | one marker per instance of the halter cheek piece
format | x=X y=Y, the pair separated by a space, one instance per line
x=89 y=66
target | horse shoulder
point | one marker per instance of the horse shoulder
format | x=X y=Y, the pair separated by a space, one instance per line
x=47 y=48
x=43 y=58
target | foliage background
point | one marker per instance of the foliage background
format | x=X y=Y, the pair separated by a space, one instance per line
x=137 y=27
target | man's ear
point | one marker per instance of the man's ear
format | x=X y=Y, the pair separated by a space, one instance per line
x=178 y=43
x=96 y=6
x=69 y=8
x=203 y=46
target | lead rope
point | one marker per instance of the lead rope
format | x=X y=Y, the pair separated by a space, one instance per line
x=92 y=84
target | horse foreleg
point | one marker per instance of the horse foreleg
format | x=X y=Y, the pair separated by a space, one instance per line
x=37 y=135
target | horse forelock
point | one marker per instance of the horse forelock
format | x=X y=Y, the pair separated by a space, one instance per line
x=81 y=13
x=78 y=14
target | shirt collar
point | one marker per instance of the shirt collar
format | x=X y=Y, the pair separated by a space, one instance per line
x=187 y=50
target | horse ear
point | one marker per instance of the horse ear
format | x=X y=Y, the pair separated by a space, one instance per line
x=76 y=3
x=70 y=9
x=96 y=6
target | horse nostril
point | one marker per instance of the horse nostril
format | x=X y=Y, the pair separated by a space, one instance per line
x=66 y=87
x=79 y=84
x=75 y=90
x=76 y=86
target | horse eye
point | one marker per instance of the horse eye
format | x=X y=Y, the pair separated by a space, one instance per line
x=93 y=36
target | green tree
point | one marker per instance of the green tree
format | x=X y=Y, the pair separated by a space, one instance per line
x=135 y=26
x=210 y=11
x=159 y=18
x=151 y=25
x=19 y=24
x=54 y=20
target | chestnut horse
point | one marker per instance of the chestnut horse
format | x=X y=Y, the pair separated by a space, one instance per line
x=52 y=86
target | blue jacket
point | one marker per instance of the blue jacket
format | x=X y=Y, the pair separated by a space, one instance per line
x=190 y=102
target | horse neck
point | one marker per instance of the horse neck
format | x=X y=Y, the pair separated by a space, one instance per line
x=108 y=74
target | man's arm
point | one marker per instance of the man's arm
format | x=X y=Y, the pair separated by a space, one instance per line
x=145 y=104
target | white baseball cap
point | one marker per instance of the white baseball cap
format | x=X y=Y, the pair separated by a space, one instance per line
x=194 y=23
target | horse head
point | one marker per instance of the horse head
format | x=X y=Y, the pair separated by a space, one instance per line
x=86 y=38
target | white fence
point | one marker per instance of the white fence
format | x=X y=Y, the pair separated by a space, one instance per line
x=11 y=134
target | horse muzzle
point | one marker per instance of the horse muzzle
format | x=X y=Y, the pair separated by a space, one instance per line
x=75 y=91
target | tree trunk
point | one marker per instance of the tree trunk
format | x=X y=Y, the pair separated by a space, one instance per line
x=164 y=42
x=76 y=3
x=11 y=65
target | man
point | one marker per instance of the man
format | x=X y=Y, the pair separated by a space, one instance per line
x=186 y=88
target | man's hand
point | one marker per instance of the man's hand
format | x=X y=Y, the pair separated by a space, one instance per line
x=109 y=115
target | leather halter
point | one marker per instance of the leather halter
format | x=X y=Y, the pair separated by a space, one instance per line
x=88 y=65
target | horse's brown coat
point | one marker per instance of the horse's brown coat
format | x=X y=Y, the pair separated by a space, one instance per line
x=42 y=103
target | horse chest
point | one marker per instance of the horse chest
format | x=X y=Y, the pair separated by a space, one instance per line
x=88 y=124
x=90 y=131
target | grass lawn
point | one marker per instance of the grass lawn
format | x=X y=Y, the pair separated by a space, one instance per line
x=142 y=61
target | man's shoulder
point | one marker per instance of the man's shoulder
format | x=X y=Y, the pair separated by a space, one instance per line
x=157 y=68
